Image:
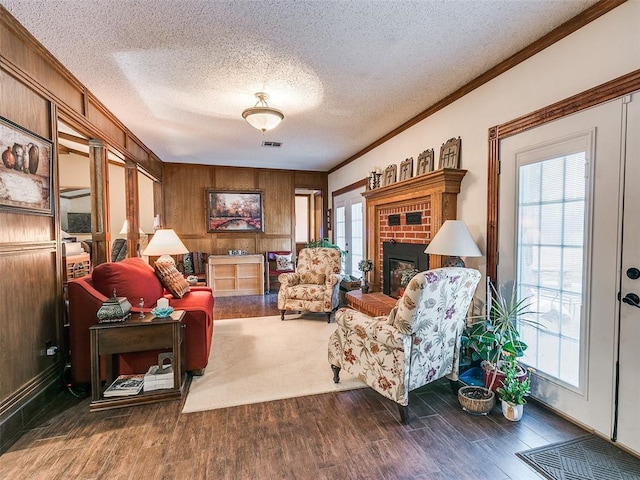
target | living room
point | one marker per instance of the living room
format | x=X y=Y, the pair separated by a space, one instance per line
x=596 y=56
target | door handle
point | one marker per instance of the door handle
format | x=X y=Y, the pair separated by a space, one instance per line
x=633 y=273
x=632 y=299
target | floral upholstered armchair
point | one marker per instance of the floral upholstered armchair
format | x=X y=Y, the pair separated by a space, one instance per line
x=418 y=342
x=315 y=285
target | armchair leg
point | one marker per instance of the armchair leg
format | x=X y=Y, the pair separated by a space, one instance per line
x=281 y=314
x=336 y=374
x=404 y=414
x=329 y=317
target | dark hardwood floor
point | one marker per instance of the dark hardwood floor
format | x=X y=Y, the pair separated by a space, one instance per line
x=248 y=306
x=343 y=435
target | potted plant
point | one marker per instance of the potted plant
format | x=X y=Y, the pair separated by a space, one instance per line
x=405 y=278
x=365 y=266
x=513 y=390
x=324 y=243
x=476 y=400
x=496 y=334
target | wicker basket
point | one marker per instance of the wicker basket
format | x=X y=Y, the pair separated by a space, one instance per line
x=477 y=406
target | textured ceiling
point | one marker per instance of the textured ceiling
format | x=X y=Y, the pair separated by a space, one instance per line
x=179 y=74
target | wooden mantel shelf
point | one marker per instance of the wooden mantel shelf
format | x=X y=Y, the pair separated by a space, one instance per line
x=445 y=180
x=440 y=188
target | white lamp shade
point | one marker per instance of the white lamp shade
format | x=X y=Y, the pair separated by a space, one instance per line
x=165 y=242
x=125 y=228
x=454 y=240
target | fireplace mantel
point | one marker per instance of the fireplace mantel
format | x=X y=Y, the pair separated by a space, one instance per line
x=440 y=188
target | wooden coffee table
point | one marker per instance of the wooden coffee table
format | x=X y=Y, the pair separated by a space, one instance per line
x=375 y=304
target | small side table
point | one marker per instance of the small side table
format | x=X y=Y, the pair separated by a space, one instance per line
x=135 y=335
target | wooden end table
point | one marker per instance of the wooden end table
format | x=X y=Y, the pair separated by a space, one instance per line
x=136 y=335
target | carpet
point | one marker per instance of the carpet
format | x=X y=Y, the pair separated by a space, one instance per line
x=583 y=458
x=264 y=358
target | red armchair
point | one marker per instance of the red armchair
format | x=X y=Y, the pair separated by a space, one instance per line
x=135 y=279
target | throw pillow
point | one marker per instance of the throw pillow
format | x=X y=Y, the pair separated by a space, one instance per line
x=283 y=262
x=171 y=279
x=312 y=278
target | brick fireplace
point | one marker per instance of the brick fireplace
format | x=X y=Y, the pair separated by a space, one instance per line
x=410 y=211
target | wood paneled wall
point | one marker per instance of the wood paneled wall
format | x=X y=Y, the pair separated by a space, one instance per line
x=36 y=90
x=183 y=192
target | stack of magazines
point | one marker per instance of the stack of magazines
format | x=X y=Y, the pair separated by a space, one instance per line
x=125 y=385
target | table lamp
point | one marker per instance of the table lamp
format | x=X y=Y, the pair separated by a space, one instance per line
x=164 y=243
x=453 y=240
x=125 y=228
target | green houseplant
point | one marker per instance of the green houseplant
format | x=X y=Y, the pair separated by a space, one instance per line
x=514 y=389
x=324 y=243
x=495 y=335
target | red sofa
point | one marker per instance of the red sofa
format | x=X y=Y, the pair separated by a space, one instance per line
x=134 y=278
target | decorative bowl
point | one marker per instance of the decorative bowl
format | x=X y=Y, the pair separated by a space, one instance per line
x=162 y=312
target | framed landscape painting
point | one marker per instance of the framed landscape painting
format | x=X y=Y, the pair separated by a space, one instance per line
x=229 y=211
x=25 y=173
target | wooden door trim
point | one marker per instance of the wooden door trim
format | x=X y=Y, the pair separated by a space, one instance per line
x=589 y=98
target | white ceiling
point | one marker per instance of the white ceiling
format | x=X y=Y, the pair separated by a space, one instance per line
x=179 y=74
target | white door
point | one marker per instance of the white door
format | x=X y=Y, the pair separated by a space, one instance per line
x=558 y=242
x=349 y=230
x=628 y=424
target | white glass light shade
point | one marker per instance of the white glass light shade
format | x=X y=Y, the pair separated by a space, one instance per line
x=165 y=242
x=262 y=116
x=454 y=240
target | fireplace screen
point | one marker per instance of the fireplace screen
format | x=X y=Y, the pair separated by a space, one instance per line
x=396 y=267
x=397 y=257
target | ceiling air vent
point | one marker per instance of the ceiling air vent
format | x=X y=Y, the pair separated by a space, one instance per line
x=272 y=144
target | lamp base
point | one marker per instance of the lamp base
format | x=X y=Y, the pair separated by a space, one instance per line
x=166 y=259
x=452 y=262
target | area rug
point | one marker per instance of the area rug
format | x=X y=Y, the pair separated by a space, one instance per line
x=583 y=458
x=264 y=358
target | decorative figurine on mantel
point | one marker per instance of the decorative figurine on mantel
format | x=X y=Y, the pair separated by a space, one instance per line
x=374 y=178
x=141 y=305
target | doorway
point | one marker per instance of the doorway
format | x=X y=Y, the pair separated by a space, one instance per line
x=349 y=229
x=564 y=238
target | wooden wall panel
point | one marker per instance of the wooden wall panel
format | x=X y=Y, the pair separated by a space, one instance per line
x=27 y=317
x=270 y=243
x=136 y=150
x=310 y=180
x=100 y=119
x=230 y=178
x=23 y=106
x=18 y=228
x=278 y=201
x=183 y=190
x=35 y=89
x=36 y=62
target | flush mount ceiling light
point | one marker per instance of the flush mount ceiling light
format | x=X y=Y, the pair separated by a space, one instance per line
x=262 y=116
